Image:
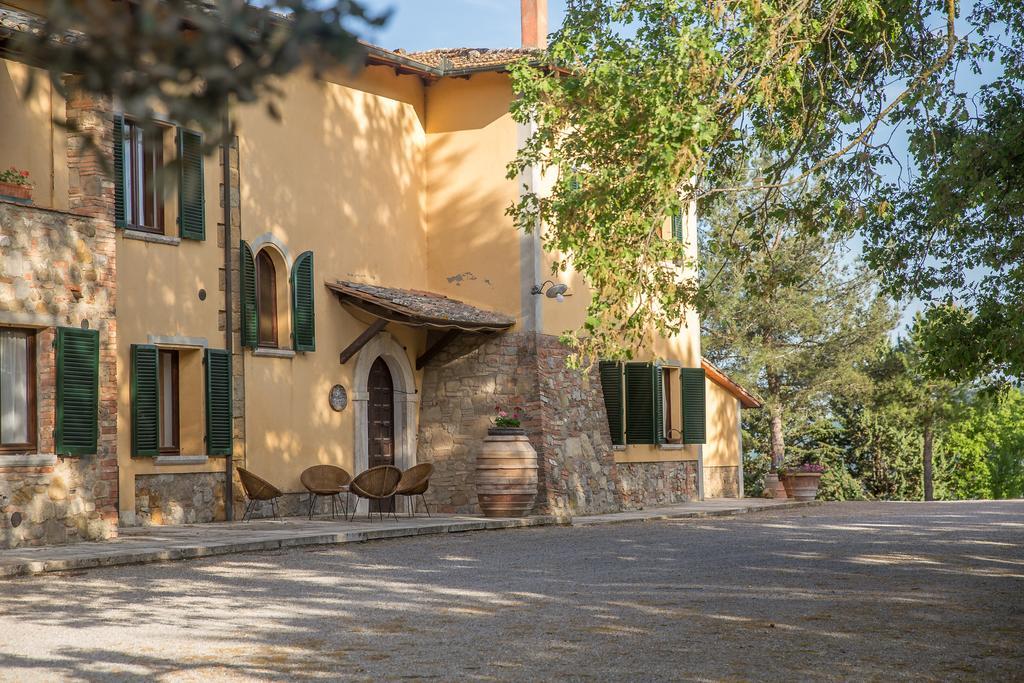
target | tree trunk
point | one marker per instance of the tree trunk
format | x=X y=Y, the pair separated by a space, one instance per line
x=777 y=447
x=929 y=437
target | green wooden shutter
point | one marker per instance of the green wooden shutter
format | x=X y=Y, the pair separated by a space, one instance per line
x=191 y=203
x=218 y=401
x=643 y=404
x=303 y=318
x=694 y=405
x=145 y=398
x=120 y=205
x=78 y=389
x=677 y=226
x=247 y=294
x=611 y=385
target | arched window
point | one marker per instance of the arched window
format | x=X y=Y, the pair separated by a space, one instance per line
x=266 y=293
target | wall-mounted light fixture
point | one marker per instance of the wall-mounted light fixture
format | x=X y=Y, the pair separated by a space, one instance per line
x=558 y=292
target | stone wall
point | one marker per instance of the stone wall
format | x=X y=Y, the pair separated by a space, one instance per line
x=578 y=475
x=565 y=420
x=179 y=498
x=237 y=351
x=50 y=504
x=58 y=269
x=461 y=387
x=721 y=482
x=652 y=484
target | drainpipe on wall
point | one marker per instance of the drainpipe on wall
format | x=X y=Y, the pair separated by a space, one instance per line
x=229 y=504
x=700 y=472
x=739 y=435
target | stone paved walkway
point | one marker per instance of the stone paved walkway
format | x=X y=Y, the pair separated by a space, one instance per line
x=141 y=545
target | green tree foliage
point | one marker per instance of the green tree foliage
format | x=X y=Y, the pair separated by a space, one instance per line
x=982 y=455
x=652 y=104
x=792 y=317
x=189 y=59
x=871 y=435
x=952 y=232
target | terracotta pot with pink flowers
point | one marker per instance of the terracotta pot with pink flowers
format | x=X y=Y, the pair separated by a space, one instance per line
x=15 y=185
x=506 y=468
x=802 y=481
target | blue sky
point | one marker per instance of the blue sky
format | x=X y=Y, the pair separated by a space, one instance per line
x=425 y=24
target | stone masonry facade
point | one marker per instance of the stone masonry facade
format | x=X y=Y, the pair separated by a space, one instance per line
x=564 y=418
x=461 y=388
x=234 y=239
x=179 y=498
x=653 y=484
x=58 y=269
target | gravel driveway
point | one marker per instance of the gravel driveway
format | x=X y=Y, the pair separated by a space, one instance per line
x=842 y=591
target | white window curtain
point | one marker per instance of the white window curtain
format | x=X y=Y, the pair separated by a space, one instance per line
x=13 y=387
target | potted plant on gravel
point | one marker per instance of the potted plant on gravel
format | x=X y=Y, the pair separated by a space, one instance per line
x=506 y=468
x=15 y=185
x=802 y=481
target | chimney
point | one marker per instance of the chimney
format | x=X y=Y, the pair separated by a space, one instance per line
x=535 y=23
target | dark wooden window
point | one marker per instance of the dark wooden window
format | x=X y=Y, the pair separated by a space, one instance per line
x=266 y=286
x=170 y=423
x=672 y=432
x=17 y=390
x=143 y=161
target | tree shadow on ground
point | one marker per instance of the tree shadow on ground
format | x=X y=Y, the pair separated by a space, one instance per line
x=847 y=591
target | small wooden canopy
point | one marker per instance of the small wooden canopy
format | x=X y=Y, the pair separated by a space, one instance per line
x=414 y=308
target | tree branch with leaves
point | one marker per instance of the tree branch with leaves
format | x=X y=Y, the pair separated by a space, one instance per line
x=654 y=104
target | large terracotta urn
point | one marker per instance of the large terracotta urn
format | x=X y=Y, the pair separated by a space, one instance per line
x=506 y=473
x=773 y=487
x=801 y=485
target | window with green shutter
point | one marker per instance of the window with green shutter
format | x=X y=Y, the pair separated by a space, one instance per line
x=644 y=418
x=218 y=401
x=78 y=388
x=694 y=405
x=247 y=295
x=191 y=202
x=303 y=318
x=145 y=399
x=677 y=226
x=120 y=204
x=611 y=386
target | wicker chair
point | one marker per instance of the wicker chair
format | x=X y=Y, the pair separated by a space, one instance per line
x=414 y=482
x=376 y=483
x=257 y=490
x=326 y=481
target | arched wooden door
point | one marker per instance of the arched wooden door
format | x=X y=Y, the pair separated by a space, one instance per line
x=381 y=419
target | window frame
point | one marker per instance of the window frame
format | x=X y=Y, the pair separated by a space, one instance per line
x=31 y=381
x=175 y=394
x=151 y=164
x=268 y=291
x=666 y=405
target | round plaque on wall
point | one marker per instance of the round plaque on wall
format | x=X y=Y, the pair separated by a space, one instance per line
x=338 y=397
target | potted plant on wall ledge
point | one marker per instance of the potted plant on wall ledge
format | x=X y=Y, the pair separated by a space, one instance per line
x=504 y=424
x=802 y=481
x=15 y=185
x=506 y=468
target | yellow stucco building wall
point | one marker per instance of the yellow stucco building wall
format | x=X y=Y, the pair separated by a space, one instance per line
x=341 y=175
x=31 y=137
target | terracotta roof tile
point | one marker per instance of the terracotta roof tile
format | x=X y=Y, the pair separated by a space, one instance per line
x=460 y=58
x=418 y=308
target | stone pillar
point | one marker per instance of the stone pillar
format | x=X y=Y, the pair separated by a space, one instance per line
x=234 y=238
x=90 y=159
